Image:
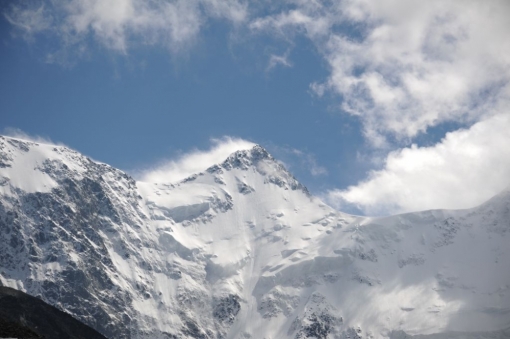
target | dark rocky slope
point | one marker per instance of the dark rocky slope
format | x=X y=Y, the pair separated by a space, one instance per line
x=24 y=316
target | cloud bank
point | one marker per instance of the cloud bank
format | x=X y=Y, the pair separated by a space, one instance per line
x=195 y=161
x=465 y=169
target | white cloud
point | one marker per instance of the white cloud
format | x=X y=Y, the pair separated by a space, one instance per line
x=120 y=24
x=400 y=66
x=195 y=161
x=465 y=169
x=404 y=66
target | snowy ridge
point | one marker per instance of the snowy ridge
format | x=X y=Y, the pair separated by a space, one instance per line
x=243 y=250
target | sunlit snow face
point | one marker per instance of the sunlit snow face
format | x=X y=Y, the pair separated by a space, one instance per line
x=28 y=164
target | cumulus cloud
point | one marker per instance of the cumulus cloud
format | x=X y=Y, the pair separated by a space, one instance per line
x=119 y=24
x=466 y=168
x=405 y=66
x=195 y=161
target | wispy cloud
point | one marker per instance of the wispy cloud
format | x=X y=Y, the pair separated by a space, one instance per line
x=309 y=162
x=193 y=162
x=29 y=18
x=120 y=24
x=278 y=60
x=299 y=159
x=19 y=134
x=465 y=169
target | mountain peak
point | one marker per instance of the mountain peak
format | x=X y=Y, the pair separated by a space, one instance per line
x=259 y=159
x=244 y=158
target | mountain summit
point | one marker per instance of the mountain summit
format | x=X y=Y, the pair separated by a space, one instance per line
x=242 y=250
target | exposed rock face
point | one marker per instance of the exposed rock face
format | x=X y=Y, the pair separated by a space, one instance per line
x=58 y=239
x=241 y=250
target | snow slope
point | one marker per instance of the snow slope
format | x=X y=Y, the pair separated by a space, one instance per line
x=242 y=250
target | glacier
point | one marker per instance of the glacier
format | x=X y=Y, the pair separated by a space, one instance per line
x=243 y=250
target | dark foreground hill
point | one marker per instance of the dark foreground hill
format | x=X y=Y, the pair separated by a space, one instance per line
x=24 y=316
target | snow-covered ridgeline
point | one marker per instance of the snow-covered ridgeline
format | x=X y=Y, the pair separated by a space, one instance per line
x=242 y=250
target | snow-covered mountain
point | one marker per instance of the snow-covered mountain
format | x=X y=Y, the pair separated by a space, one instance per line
x=243 y=250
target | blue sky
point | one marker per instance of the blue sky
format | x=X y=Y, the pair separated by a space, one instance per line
x=377 y=106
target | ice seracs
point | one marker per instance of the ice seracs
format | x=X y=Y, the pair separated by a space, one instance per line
x=242 y=250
